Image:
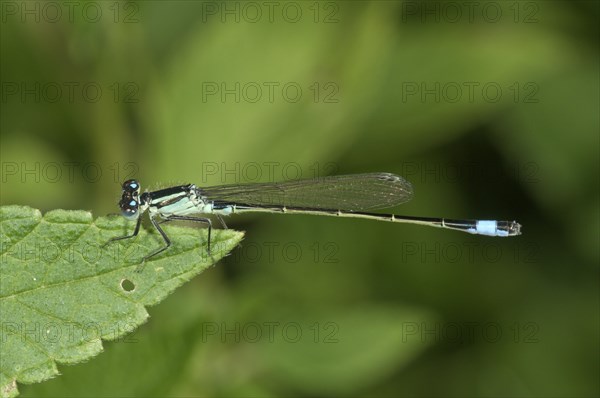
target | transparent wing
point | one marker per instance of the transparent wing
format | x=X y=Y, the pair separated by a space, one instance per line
x=355 y=192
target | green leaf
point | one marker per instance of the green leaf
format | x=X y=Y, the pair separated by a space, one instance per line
x=62 y=292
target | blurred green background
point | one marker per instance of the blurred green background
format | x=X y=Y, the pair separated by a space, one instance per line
x=490 y=109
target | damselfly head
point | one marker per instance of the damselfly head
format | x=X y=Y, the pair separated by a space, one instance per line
x=130 y=203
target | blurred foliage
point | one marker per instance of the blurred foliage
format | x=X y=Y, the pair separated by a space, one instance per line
x=530 y=154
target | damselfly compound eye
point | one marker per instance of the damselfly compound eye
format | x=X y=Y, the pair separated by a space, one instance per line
x=131 y=186
x=129 y=207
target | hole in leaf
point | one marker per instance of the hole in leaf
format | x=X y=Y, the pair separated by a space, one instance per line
x=127 y=285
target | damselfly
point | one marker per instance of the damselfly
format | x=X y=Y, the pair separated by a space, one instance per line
x=341 y=196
